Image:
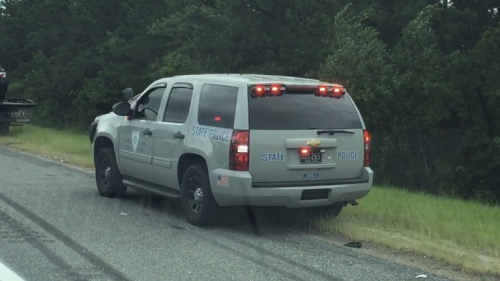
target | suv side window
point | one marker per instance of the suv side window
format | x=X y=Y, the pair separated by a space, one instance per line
x=149 y=104
x=178 y=104
x=217 y=106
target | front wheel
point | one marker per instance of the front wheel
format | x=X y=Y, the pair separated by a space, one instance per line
x=107 y=175
x=4 y=128
x=197 y=200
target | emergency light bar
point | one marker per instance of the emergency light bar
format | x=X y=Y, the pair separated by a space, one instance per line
x=330 y=91
x=270 y=90
x=267 y=90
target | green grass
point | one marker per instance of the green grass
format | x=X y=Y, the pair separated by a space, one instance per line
x=69 y=147
x=463 y=234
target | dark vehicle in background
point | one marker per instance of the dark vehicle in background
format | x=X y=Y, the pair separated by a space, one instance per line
x=13 y=112
x=3 y=84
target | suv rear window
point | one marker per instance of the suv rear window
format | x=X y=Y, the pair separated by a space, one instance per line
x=302 y=111
x=217 y=106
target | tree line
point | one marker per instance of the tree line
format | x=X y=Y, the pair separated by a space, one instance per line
x=424 y=73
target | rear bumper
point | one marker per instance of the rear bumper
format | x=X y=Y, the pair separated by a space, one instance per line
x=239 y=191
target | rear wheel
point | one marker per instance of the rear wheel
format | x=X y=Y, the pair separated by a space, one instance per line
x=330 y=211
x=333 y=210
x=107 y=175
x=197 y=200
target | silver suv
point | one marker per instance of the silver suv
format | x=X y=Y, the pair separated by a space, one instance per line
x=217 y=140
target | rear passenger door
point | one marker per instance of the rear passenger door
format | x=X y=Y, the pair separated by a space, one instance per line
x=170 y=134
x=216 y=120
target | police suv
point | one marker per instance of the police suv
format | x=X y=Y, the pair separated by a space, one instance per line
x=216 y=140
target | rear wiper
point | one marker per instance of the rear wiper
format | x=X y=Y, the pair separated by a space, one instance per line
x=333 y=132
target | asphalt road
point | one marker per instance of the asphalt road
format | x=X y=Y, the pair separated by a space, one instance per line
x=54 y=226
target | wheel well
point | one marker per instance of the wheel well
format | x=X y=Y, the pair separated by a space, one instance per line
x=100 y=143
x=187 y=160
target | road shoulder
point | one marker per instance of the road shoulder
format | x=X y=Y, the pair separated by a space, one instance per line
x=372 y=249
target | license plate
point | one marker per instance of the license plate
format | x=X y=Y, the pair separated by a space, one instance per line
x=314 y=157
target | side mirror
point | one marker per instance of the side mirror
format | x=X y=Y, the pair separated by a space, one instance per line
x=122 y=108
x=128 y=93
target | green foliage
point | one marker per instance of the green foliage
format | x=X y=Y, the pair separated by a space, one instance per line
x=423 y=74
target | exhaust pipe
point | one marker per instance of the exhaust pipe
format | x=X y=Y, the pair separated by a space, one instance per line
x=353 y=202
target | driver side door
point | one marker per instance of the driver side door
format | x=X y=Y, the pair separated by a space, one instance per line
x=136 y=136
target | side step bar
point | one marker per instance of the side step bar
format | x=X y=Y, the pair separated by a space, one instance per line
x=152 y=188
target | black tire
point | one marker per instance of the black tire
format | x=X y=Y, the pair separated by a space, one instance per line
x=4 y=128
x=329 y=211
x=333 y=210
x=107 y=175
x=199 y=210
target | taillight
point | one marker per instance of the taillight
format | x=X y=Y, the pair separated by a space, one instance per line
x=238 y=151
x=367 y=141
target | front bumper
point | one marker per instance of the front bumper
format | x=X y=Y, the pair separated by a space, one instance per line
x=239 y=191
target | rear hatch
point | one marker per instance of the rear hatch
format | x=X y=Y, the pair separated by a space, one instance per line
x=299 y=138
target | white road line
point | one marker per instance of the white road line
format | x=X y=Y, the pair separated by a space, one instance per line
x=8 y=275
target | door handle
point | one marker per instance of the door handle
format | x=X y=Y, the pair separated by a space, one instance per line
x=179 y=135
x=147 y=132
